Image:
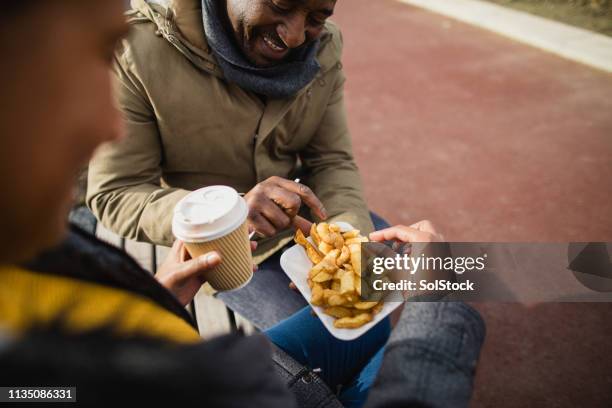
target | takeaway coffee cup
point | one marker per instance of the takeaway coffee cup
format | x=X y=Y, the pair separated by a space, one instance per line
x=214 y=219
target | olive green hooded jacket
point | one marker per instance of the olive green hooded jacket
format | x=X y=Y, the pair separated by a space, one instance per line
x=188 y=128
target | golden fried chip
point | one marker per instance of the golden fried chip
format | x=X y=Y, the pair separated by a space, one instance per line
x=313 y=253
x=299 y=238
x=376 y=309
x=338 y=311
x=314 y=235
x=356 y=240
x=327 y=293
x=323 y=232
x=355 y=250
x=336 y=300
x=322 y=277
x=351 y=234
x=333 y=298
x=347 y=283
x=345 y=254
x=317 y=294
x=364 y=305
x=338 y=240
x=353 y=322
x=325 y=248
x=327 y=264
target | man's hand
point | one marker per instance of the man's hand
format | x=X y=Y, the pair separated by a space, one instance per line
x=422 y=231
x=423 y=240
x=275 y=203
x=184 y=276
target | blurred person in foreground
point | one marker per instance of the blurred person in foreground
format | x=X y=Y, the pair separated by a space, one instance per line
x=77 y=312
x=244 y=93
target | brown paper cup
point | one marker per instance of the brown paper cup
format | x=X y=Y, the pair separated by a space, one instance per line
x=236 y=268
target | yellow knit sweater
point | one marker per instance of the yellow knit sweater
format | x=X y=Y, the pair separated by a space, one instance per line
x=29 y=298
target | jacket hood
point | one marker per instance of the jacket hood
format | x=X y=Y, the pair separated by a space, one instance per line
x=180 y=22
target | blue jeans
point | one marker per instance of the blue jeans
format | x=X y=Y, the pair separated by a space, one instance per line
x=347 y=367
x=267 y=299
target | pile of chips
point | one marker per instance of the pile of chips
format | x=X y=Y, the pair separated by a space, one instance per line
x=335 y=277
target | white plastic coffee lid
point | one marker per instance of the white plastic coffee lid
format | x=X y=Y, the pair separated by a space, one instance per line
x=208 y=214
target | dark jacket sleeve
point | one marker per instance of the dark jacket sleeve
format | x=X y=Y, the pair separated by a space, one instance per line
x=230 y=371
x=430 y=359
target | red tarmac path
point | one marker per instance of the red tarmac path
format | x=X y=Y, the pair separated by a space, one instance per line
x=494 y=141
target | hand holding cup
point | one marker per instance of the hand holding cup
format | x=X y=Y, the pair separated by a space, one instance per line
x=215 y=219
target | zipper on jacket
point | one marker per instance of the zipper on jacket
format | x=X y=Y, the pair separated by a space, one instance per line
x=255 y=139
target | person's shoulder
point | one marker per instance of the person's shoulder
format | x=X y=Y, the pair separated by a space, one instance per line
x=141 y=32
x=333 y=31
x=143 y=43
x=332 y=44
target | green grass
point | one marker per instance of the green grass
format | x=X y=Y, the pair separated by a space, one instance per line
x=594 y=15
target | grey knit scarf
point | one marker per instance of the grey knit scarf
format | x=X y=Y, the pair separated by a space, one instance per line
x=277 y=82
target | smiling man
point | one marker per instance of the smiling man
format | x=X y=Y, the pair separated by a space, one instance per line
x=245 y=93
x=266 y=43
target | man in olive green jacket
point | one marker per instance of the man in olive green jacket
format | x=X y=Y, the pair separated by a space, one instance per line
x=188 y=126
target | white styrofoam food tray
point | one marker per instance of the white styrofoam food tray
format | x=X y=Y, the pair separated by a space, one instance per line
x=296 y=265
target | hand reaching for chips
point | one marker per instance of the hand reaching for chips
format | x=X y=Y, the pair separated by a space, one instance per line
x=335 y=278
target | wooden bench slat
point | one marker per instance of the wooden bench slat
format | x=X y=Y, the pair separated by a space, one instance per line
x=161 y=253
x=212 y=316
x=141 y=252
x=107 y=236
x=245 y=325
